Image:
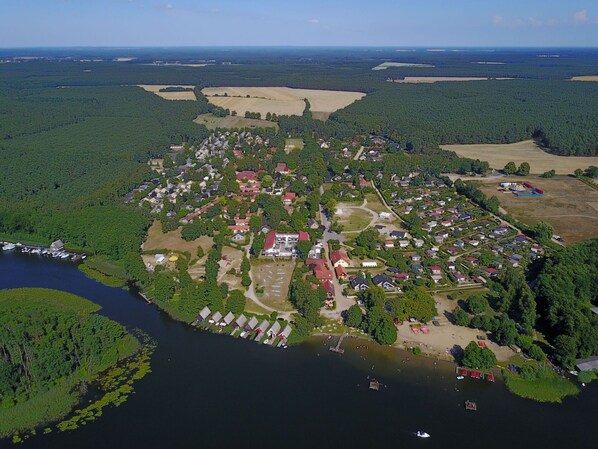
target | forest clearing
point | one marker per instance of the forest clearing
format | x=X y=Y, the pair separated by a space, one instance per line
x=569 y=205
x=172 y=240
x=232 y=122
x=386 y=65
x=280 y=100
x=440 y=79
x=188 y=95
x=499 y=155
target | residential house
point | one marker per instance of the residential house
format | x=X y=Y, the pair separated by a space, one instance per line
x=341 y=272
x=435 y=269
x=382 y=281
x=340 y=259
x=359 y=284
x=369 y=264
x=251 y=324
x=286 y=332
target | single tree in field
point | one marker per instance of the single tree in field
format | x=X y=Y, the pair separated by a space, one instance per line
x=510 y=168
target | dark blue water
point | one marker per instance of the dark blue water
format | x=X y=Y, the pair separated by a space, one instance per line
x=209 y=391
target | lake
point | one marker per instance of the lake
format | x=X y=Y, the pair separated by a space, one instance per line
x=209 y=390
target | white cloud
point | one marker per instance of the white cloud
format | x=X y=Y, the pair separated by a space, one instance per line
x=164 y=6
x=313 y=21
x=581 y=16
x=535 y=22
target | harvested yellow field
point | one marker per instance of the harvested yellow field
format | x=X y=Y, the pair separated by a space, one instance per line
x=172 y=240
x=155 y=89
x=499 y=155
x=280 y=100
x=440 y=79
x=593 y=78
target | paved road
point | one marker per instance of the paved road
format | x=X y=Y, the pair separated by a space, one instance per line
x=342 y=302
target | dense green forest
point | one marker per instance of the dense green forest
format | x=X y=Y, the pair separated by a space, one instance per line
x=566 y=291
x=51 y=342
x=562 y=115
x=69 y=154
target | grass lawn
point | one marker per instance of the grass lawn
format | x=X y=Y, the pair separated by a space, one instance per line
x=294 y=144
x=352 y=219
x=35 y=298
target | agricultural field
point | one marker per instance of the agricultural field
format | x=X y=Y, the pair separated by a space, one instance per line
x=274 y=276
x=591 y=78
x=212 y=122
x=499 y=155
x=569 y=205
x=155 y=89
x=440 y=79
x=280 y=100
x=157 y=240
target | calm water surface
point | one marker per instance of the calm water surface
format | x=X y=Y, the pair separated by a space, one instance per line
x=208 y=391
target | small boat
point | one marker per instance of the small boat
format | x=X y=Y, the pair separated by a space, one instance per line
x=9 y=247
x=460 y=377
x=422 y=434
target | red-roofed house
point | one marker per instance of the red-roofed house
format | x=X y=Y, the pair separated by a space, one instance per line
x=282 y=168
x=435 y=269
x=340 y=258
x=289 y=197
x=322 y=273
x=491 y=272
x=341 y=273
x=313 y=263
x=248 y=175
x=329 y=287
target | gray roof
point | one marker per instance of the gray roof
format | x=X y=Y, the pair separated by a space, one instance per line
x=595 y=310
x=252 y=323
x=263 y=326
x=589 y=364
x=241 y=320
x=217 y=317
x=229 y=318
x=275 y=329
x=205 y=312
x=286 y=331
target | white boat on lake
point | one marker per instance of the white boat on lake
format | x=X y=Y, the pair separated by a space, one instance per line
x=422 y=434
x=9 y=247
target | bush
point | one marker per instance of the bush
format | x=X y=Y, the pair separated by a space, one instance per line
x=477 y=304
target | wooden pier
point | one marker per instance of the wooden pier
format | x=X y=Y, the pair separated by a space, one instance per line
x=374 y=385
x=338 y=348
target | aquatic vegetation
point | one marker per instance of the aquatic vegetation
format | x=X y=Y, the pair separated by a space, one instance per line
x=116 y=384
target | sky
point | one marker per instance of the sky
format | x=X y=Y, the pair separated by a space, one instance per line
x=401 y=23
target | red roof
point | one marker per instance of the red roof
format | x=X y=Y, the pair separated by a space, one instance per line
x=289 y=196
x=338 y=255
x=303 y=236
x=329 y=286
x=312 y=263
x=247 y=174
x=340 y=271
x=322 y=273
x=281 y=167
x=270 y=240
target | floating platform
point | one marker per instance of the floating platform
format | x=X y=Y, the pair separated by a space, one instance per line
x=470 y=405
x=374 y=385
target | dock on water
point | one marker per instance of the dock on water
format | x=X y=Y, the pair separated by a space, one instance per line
x=470 y=405
x=338 y=348
x=374 y=385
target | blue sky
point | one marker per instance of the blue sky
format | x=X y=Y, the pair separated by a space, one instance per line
x=299 y=22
